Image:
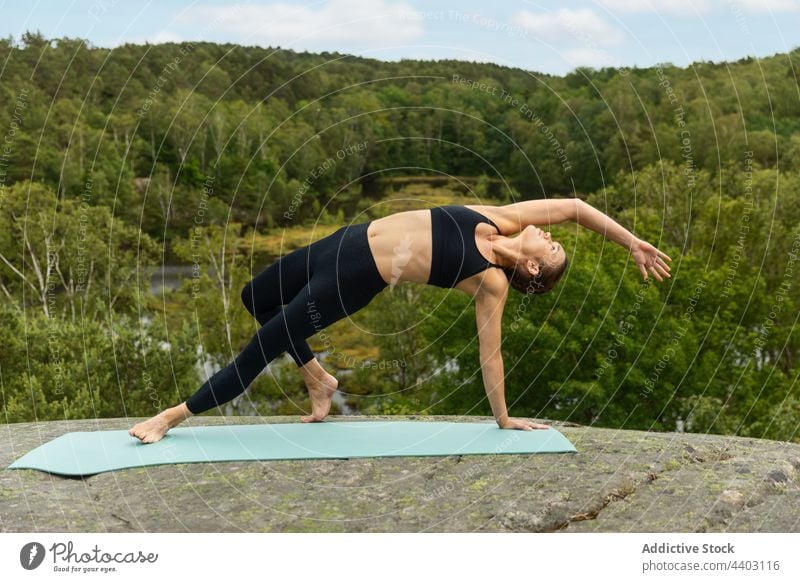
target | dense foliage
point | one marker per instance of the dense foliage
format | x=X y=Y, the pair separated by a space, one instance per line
x=114 y=161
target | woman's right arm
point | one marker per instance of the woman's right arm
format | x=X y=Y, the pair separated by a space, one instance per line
x=589 y=217
x=647 y=257
x=512 y=218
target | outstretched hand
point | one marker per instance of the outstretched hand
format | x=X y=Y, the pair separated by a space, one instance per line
x=649 y=258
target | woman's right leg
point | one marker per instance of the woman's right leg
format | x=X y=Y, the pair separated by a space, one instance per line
x=275 y=286
x=338 y=290
x=344 y=280
x=278 y=284
x=306 y=314
x=263 y=297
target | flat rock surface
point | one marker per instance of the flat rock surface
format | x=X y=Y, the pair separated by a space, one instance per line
x=620 y=481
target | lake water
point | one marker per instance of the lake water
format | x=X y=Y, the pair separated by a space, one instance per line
x=169 y=276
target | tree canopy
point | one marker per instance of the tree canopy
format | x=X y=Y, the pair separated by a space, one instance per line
x=115 y=161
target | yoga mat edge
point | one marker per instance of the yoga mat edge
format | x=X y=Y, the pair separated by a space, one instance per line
x=89 y=453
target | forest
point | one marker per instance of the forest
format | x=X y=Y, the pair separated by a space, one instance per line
x=220 y=158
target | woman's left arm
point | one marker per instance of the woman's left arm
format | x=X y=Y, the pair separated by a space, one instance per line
x=489 y=304
x=647 y=257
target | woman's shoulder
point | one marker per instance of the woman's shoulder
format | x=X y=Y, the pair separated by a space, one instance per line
x=490 y=283
x=498 y=215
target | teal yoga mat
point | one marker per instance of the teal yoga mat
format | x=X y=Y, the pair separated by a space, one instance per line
x=88 y=453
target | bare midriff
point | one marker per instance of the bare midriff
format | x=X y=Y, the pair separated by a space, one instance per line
x=401 y=245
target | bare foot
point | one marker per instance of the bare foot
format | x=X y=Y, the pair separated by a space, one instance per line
x=154 y=429
x=321 y=389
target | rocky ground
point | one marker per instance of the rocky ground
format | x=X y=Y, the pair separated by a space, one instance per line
x=620 y=481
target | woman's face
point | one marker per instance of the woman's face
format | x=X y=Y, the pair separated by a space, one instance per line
x=537 y=245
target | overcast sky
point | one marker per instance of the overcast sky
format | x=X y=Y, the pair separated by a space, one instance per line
x=551 y=37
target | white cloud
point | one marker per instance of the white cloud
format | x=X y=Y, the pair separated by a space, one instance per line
x=354 y=22
x=567 y=25
x=767 y=5
x=164 y=36
x=673 y=7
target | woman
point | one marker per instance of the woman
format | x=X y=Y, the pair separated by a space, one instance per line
x=468 y=248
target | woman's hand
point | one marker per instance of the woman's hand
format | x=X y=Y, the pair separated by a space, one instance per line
x=649 y=258
x=520 y=424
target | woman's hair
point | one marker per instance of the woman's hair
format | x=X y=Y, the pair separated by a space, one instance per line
x=527 y=284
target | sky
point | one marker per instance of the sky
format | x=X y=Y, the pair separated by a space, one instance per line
x=545 y=36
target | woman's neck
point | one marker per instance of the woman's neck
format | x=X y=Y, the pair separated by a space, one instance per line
x=506 y=250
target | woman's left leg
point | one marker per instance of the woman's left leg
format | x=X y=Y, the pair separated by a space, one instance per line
x=266 y=294
x=336 y=289
x=344 y=278
x=323 y=301
x=291 y=324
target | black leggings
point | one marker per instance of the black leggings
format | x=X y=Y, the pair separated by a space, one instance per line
x=293 y=298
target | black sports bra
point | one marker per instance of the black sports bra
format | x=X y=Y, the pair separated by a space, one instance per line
x=455 y=256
